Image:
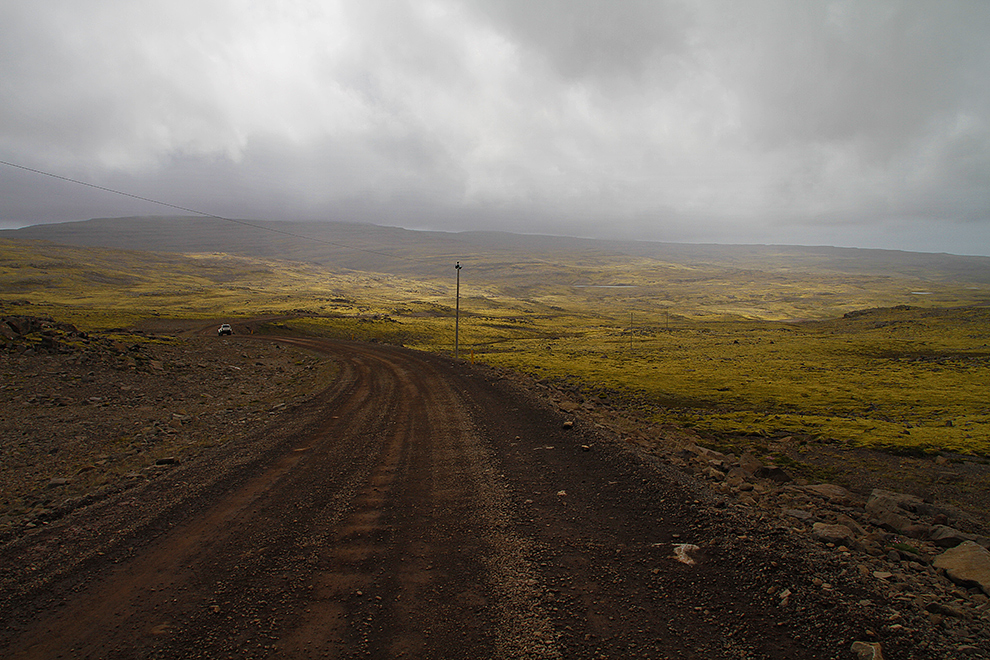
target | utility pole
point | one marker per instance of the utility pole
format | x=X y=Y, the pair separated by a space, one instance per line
x=457 y=311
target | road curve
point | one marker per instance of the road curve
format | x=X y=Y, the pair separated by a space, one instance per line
x=417 y=508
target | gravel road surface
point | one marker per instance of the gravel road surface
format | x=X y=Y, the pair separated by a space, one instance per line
x=419 y=508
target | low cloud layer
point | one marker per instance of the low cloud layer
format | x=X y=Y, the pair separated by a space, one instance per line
x=851 y=123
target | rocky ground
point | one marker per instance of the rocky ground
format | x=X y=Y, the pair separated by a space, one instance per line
x=133 y=404
x=84 y=416
x=928 y=561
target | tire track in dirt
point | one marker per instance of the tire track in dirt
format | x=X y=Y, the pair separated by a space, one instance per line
x=197 y=559
x=414 y=556
x=419 y=508
x=600 y=522
x=367 y=536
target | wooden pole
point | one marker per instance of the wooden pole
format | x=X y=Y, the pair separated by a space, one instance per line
x=457 y=312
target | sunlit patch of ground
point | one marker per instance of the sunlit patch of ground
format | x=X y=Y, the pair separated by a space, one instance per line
x=716 y=350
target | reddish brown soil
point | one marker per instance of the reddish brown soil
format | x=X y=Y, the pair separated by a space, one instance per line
x=422 y=508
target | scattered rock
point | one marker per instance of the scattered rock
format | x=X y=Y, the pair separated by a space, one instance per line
x=107 y=386
x=831 y=533
x=683 y=552
x=867 y=535
x=896 y=579
x=867 y=650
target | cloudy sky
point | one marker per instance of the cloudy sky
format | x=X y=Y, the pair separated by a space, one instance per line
x=859 y=123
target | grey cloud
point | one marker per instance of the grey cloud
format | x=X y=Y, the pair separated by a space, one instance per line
x=877 y=71
x=588 y=38
x=666 y=119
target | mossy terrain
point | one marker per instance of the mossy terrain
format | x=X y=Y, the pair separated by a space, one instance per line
x=98 y=289
x=900 y=363
x=906 y=379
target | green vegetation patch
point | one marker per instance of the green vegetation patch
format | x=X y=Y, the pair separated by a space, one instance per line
x=912 y=387
x=716 y=349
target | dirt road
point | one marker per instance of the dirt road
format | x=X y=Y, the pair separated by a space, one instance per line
x=419 y=508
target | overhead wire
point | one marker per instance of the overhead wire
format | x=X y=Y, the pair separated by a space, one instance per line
x=274 y=230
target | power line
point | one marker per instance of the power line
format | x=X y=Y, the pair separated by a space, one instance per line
x=204 y=213
x=248 y=224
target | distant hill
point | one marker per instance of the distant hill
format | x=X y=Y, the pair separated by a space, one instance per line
x=501 y=256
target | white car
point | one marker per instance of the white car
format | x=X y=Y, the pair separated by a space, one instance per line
x=225 y=329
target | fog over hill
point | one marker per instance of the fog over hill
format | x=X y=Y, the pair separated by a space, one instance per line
x=501 y=255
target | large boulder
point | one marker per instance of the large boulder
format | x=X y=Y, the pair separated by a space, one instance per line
x=832 y=493
x=23 y=325
x=899 y=500
x=837 y=534
x=736 y=477
x=891 y=510
x=967 y=564
x=773 y=473
x=948 y=537
x=749 y=464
